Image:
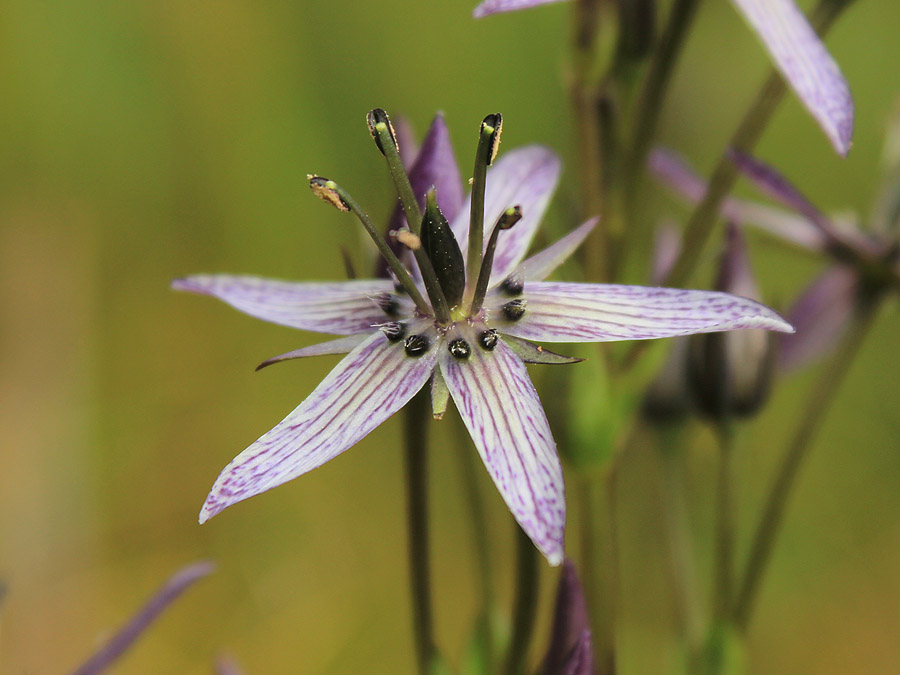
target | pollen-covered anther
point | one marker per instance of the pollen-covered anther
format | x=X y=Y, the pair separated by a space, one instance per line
x=514 y=309
x=409 y=239
x=459 y=348
x=416 y=345
x=513 y=285
x=393 y=330
x=488 y=339
x=326 y=190
x=388 y=303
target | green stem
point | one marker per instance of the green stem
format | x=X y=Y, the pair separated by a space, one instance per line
x=821 y=398
x=677 y=530
x=469 y=466
x=415 y=415
x=525 y=603
x=700 y=226
x=725 y=524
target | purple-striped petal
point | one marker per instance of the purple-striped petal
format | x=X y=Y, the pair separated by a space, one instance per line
x=342 y=345
x=340 y=308
x=564 y=312
x=496 y=6
x=671 y=170
x=526 y=177
x=820 y=315
x=541 y=265
x=504 y=416
x=369 y=385
x=806 y=65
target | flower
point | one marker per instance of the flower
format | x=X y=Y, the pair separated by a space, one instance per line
x=795 y=48
x=863 y=262
x=473 y=350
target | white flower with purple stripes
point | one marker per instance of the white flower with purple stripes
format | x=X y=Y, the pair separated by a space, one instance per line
x=470 y=340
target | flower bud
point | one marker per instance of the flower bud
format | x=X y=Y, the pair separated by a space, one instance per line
x=729 y=374
x=570 y=641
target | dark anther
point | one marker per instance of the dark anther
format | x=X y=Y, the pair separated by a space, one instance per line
x=489 y=339
x=514 y=309
x=393 y=330
x=459 y=348
x=513 y=285
x=416 y=345
x=388 y=303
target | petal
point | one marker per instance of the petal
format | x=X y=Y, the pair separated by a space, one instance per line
x=527 y=177
x=806 y=65
x=570 y=626
x=504 y=416
x=670 y=169
x=563 y=312
x=340 y=346
x=666 y=247
x=369 y=385
x=821 y=315
x=496 y=6
x=341 y=308
x=541 y=265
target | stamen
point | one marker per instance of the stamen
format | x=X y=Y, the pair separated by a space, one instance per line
x=416 y=345
x=488 y=143
x=383 y=132
x=393 y=330
x=507 y=219
x=388 y=303
x=514 y=309
x=513 y=285
x=337 y=196
x=459 y=348
x=488 y=339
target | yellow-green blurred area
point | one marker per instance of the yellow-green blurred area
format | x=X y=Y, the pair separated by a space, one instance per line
x=145 y=140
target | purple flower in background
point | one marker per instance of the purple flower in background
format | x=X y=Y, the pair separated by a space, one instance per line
x=862 y=260
x=796 y=50
x=570 y=651
x=475 y=354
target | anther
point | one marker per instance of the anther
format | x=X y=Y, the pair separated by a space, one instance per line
x=513 y=285
x=381 y=129
x=388 y=303
x=393 y=330
x=459 y=348
x=514 y=309
x=489 y=339
x=491 y=128
x=416 y=345
x=326 y=190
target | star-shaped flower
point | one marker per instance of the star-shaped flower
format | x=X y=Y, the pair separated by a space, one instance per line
x=796 y=50
x=473 y=349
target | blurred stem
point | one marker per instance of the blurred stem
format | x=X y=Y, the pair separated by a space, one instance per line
x=415 y=414
x=700 y=226
x=525 y=599
x=477 y=518
x=725 y=523
x=650 y=100
x=599 y=566
x=682 y=565
x=821 y=398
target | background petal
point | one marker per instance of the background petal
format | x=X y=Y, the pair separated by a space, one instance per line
x=340 y=308
x=820 y=315
x=565 y=312
x=496 y=6
x=369 y=385
x=504 y=416
x=541 y=265
x=524 y=176
x=806 y=65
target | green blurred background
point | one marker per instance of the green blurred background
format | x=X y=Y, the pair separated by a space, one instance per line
x=144 y=140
